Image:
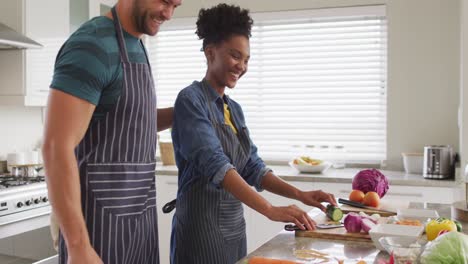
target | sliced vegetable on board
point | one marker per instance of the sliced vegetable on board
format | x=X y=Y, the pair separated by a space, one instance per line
x=353 y=223
x=334 y=213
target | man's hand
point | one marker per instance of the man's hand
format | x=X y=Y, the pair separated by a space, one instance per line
x=291 y=214
x=86 y=254
x=315 y=198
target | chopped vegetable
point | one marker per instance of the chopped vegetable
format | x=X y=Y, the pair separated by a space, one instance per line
x=334 y=213
x=376 y=217
x=366 y=216
x=411 y=222
x=371 y=180
x=353 y=223
x=262 y=260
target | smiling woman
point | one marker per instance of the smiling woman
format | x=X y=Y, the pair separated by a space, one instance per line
x=216 y=158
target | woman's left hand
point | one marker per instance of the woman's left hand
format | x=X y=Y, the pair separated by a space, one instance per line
x=315 y=198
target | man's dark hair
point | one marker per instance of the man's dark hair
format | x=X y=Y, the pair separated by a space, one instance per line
x=219 y=23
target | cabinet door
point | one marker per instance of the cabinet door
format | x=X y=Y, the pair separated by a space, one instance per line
x=47 y=22
x=100 y=7
x=424 y=194
x=260 y=229
x=166 y=191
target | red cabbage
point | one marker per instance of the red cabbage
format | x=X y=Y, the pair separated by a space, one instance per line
x=352 y=223
x=371 y=180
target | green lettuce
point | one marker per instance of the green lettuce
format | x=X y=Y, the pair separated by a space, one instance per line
x=449 y=248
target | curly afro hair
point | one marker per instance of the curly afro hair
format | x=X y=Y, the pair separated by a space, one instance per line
x=219 y=23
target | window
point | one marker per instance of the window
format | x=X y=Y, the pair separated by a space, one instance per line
x=316 y=83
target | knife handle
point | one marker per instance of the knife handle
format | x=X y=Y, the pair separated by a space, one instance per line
x=291 y=227
x=348 y=202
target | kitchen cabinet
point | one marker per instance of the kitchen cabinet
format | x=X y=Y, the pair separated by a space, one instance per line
x=47 y=22
x=260 y=229
x=166 y=191
x=27 y=74
x=100 y=7
x=425 y=194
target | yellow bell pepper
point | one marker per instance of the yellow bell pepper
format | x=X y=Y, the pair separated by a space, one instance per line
x=435 y=226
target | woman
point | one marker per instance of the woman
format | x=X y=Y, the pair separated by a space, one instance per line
x=217 y=161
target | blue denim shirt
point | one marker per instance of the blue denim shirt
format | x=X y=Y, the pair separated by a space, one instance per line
x=198 y=151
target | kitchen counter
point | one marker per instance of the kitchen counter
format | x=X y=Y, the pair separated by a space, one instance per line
x=283 y=245
x=337 y=176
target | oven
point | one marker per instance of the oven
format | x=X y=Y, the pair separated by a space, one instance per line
x=24 y=218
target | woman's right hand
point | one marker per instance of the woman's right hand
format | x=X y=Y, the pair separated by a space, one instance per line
x=291 y=214
x=84 y=255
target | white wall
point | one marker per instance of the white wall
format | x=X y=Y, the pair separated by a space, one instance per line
x=20 y=129
x=464 y=90
x=423 y=66
x=423 y=71
x=423 y=75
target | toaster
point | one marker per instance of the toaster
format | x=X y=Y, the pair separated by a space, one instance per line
x=439 y=162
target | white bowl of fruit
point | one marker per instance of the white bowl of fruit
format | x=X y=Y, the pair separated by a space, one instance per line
x=310 y=165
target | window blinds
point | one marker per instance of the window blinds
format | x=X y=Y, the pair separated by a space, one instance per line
x=316 y=83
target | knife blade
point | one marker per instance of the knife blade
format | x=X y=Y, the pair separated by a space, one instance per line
x=291 y=227
x=360 y=205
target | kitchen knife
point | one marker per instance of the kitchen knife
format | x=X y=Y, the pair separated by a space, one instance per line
x=291 y=227
x=360 y=205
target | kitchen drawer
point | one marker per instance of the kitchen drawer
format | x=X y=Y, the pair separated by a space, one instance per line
x=424 y=194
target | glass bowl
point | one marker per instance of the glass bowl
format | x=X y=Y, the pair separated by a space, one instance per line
x=403 y=250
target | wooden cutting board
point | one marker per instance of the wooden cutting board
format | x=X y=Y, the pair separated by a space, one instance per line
x=335 y=233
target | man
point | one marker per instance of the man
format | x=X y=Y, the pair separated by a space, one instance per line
x=100 y=138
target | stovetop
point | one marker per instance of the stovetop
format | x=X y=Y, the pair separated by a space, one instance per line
x=7 y=181
x=22 y=198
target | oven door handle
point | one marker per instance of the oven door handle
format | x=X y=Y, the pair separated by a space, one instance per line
x=26 y=217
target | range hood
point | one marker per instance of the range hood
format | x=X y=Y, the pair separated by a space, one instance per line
x=10 y=39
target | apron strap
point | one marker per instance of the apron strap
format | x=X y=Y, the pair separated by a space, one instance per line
x=212 y=115
x=120 y=37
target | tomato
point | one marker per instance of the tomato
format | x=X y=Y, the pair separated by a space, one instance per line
x=371 y=199
x=356 y=196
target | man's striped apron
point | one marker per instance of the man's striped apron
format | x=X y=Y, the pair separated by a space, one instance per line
x=116 y=160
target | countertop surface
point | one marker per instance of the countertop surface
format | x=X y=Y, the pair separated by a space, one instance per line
x=337 y=176
x=282 y=246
